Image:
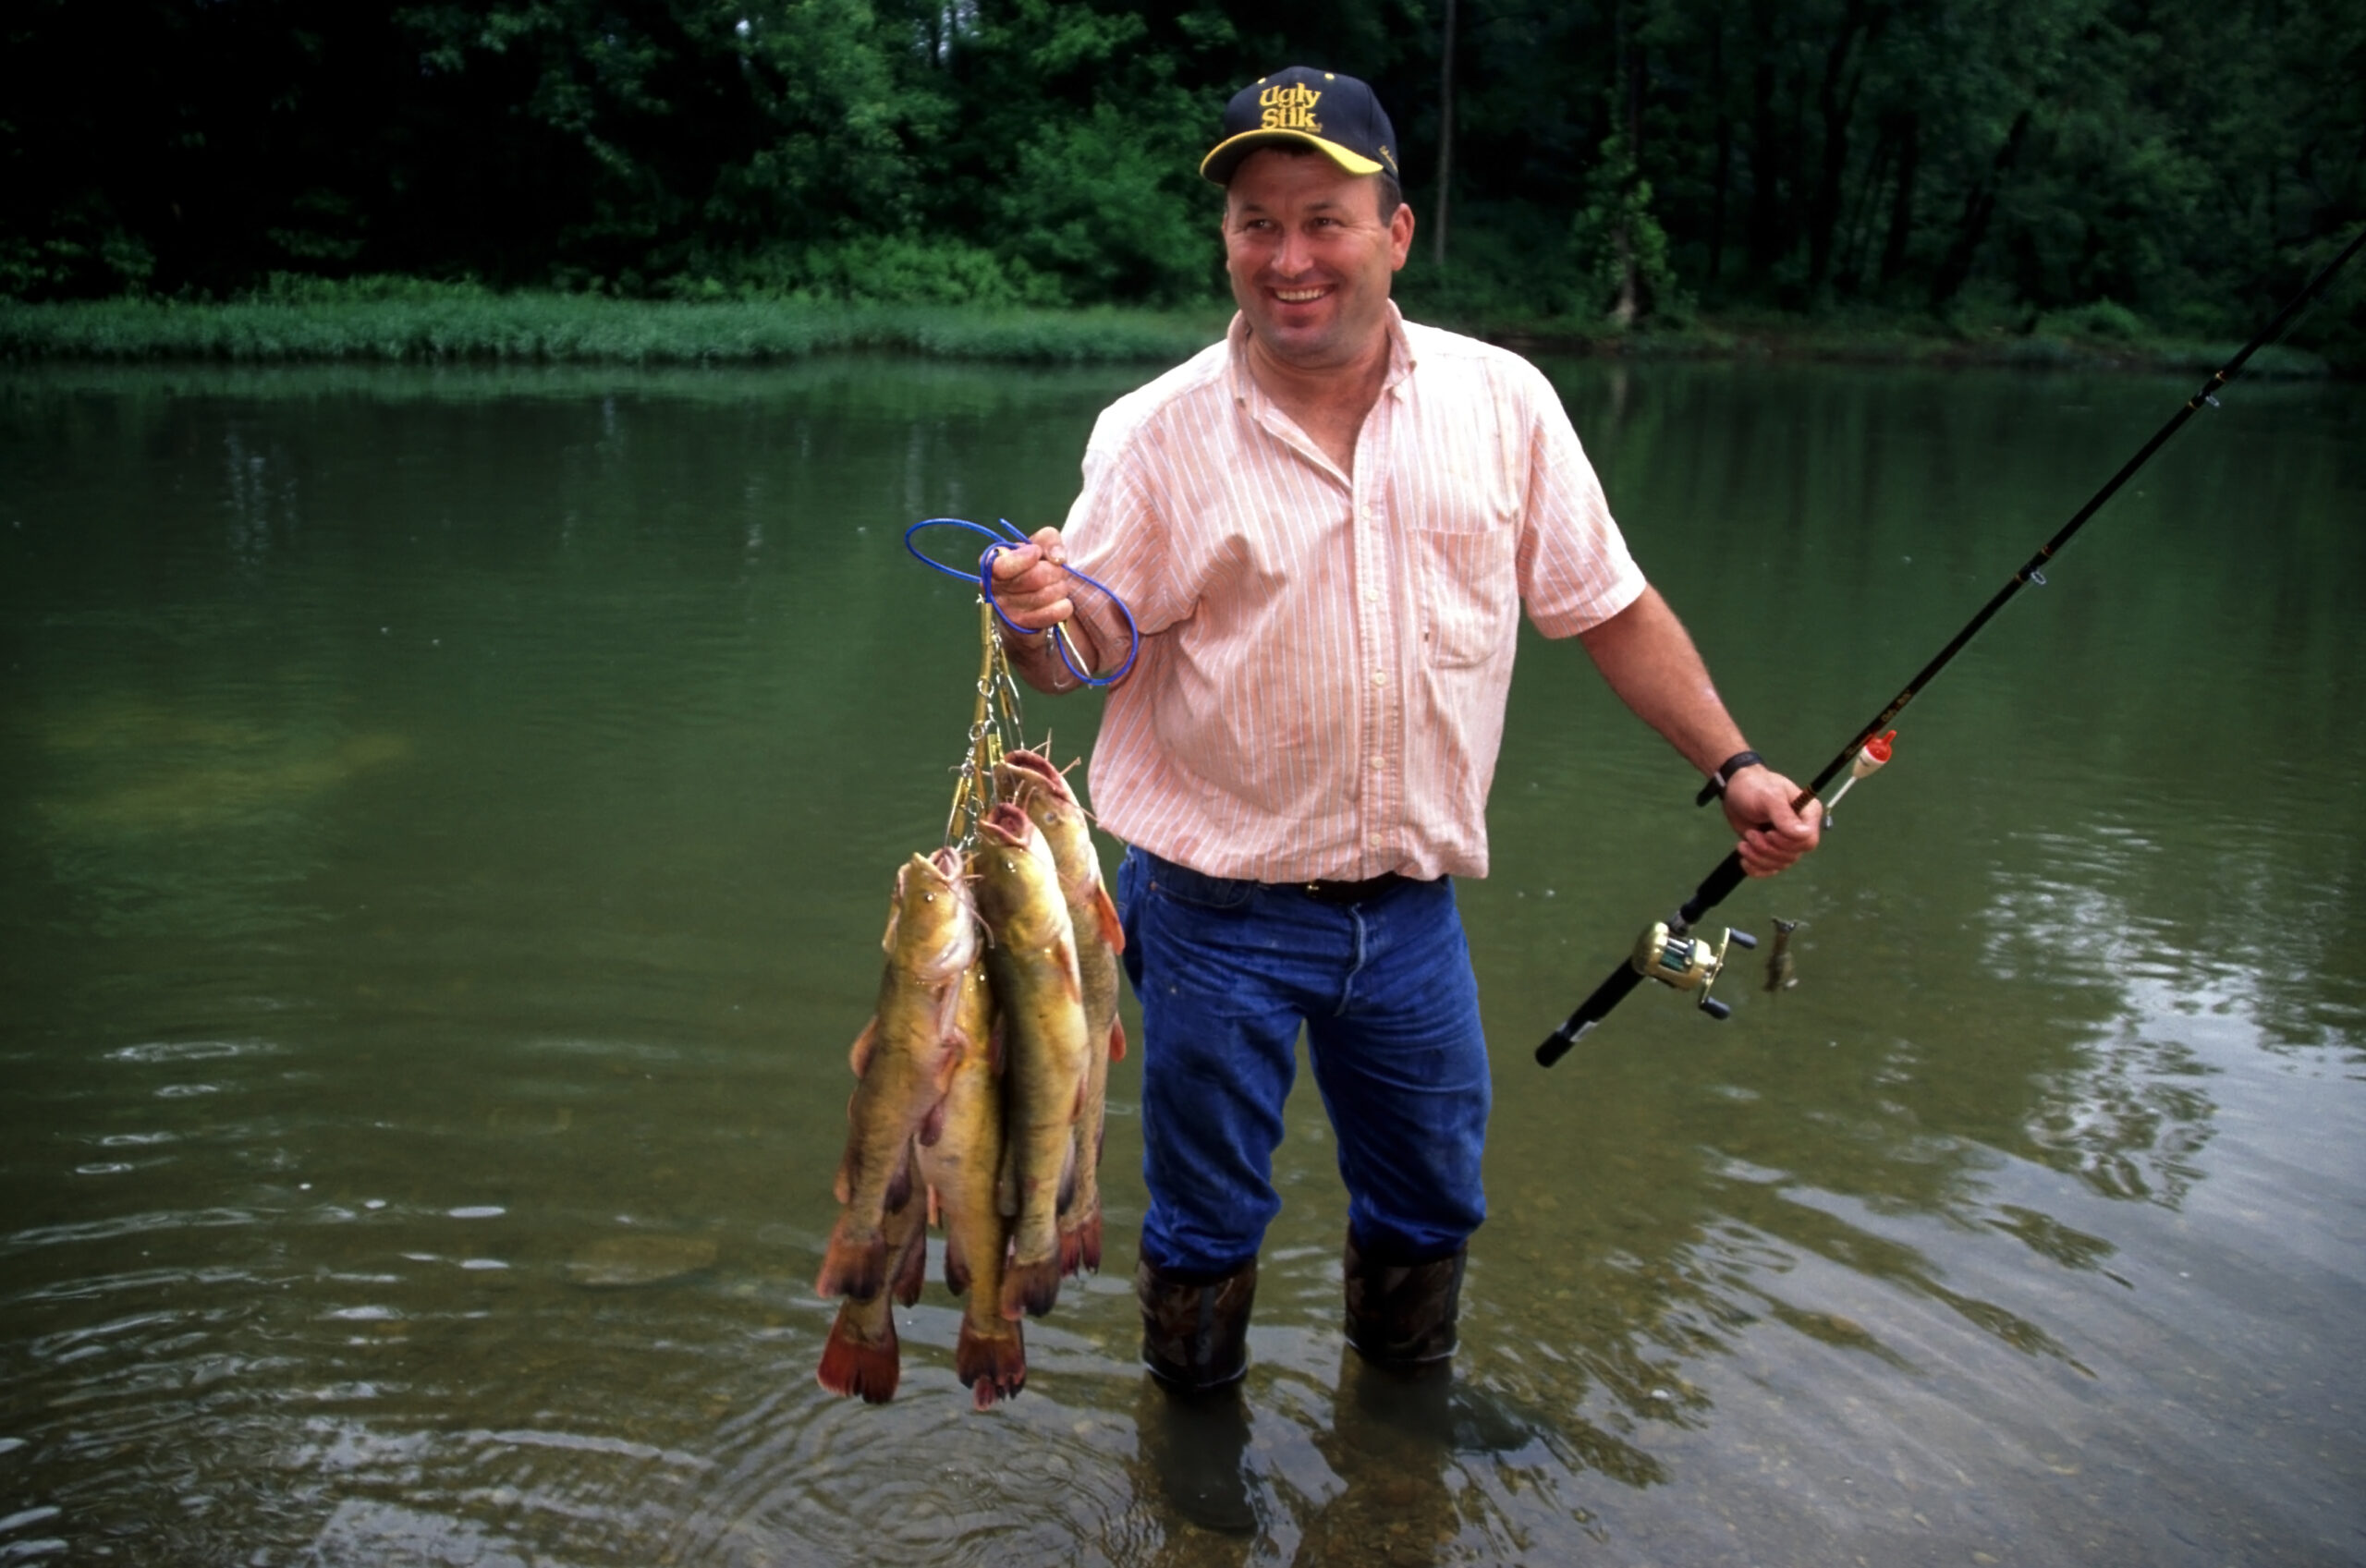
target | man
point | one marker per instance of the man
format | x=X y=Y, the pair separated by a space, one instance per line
x=1325 y=526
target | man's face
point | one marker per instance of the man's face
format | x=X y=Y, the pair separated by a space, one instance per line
x=1311 y=256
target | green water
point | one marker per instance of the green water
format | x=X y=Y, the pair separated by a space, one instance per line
x=445 y=826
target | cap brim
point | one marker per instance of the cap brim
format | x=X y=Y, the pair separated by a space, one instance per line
x=1227 y=155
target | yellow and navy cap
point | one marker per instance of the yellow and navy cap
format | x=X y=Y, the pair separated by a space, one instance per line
x=1336 y=114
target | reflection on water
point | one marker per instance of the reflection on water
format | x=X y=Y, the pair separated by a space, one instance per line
x=444 y=824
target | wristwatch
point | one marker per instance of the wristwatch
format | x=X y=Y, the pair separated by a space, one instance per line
x=1725 y=775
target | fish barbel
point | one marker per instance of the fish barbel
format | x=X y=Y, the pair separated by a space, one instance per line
x=861 y=1356
x=1032 y=962
x=1042 y=792
x=905 y=1059
x=962 y=1169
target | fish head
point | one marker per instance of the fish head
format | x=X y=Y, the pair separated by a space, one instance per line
x=933 y=928
x=1016 y=870
x=1042 y=792
x=1032 y=770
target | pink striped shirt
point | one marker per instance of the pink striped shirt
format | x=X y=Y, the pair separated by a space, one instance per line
x=1325 y=658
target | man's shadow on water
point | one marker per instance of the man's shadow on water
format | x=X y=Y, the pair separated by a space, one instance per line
x=1394 y=1441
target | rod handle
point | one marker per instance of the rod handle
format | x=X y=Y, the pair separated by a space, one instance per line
x=1712 y=890
x=1591 y=1011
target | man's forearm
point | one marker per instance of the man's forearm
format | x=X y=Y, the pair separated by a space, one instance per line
x=1648 y=659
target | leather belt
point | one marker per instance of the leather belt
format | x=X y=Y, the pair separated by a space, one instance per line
x=1352 y=892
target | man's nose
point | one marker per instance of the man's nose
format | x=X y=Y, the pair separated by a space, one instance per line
x=1295 y=251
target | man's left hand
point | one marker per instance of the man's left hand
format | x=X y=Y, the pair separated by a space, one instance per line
x=1758 y=804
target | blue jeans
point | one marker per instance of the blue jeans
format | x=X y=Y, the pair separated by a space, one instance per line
x=1227 y=971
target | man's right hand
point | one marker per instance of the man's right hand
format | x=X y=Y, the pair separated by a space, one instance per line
x=1031 y=585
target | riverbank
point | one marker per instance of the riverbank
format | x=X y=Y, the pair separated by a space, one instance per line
x=440 y=325
x=447 y=325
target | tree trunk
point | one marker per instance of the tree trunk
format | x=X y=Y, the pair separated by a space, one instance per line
x=1979 y=206
x=1836 y=104
x=1859 y=229
x=1765 y=148
x=1901 y=204
x=1630 y=130
x=1445 y=134
x=1720 y=181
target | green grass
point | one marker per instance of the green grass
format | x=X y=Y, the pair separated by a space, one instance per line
x=448 y=325
x=400 y=321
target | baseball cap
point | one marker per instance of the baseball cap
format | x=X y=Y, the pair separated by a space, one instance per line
x=1335 y=113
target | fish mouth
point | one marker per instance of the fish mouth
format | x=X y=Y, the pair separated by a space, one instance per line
x=1007 y=824
x=1034 y=767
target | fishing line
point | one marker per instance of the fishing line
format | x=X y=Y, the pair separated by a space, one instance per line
x=1668 y=952
x=1009 y=538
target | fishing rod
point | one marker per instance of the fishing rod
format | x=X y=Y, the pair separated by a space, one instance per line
x=1668 y=951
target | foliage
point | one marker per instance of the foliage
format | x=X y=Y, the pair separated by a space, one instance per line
x=369 y=322
x=1989 y=162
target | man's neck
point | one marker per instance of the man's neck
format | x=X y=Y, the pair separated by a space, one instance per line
x=1329 y=402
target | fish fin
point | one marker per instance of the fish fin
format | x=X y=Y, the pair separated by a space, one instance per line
x=899 y=1186
x=955 y=1052
x=1063 y=954
x=948 y=1010
x=1112 y=930
x=851 y=1366
x=935 y=1208
x=1067 y=1177
x=990 y=1367
x=932 y=1124
x=957 y=1264
x=895 y=918
x=864 y=1044
x=855 y=1266
x=911 y=1269
x=1087 y=1235
x=1031 y=1287
x=1006 y=1181
x=1071 y=1248
x=1117 y=1040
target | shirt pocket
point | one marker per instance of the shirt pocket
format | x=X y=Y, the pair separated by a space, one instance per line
x=1470 y=594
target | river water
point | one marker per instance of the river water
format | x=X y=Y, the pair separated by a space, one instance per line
x=446 y=822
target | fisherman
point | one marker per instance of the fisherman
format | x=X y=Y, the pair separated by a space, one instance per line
x=1326 y=526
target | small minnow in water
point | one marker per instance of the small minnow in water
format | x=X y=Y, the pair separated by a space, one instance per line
x=1782 y=974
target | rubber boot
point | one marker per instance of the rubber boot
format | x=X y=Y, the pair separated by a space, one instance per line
x=1195 y=1329
x=1194 y=1424
x=1402 y=1314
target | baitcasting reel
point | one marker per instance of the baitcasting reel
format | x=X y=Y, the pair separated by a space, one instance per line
x=1687 y=963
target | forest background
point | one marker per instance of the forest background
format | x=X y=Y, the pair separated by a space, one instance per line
x=2120 y=168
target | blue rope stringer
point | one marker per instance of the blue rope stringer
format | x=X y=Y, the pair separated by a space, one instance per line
x=1008 y=538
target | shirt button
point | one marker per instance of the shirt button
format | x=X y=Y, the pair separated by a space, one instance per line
x=1374 y=840
x=1380 y=677
x=1371 y=596
x=1378 y=763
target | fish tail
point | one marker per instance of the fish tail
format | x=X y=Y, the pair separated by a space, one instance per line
x=853 y=1366
x=1071 y=1247
x=1087 y=1235
x=1031 y=1287
x=990 y=1367
x=854 y=1265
